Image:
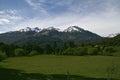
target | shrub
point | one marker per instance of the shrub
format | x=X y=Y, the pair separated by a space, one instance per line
x=2 y=55
x=19 y=52
x=69 y=51
x=108 y=51
x=80 y=51
x=92 y=51
x=33 y=52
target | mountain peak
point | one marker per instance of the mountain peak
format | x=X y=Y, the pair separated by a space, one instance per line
x=27 y=29
x=36 y=29
x=112 y=35
x=35 y=36
x=73 y=29
x=52 y=28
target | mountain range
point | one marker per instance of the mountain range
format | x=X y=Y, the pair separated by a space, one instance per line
x=37 y=36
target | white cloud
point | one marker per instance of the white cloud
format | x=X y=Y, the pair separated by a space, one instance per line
x=4 y=21
x=2 y=12
x=37 y=5
x=31 y=3
x=45 y=6
x=9 y=17
x=12 y=11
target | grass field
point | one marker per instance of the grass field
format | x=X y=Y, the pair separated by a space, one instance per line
x=50 y=67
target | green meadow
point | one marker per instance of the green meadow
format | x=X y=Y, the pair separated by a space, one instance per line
x=51 y=67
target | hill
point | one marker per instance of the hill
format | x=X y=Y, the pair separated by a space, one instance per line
x=111 y=41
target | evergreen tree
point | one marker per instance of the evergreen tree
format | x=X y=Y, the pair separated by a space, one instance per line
x=71 y=44
x=48 y=49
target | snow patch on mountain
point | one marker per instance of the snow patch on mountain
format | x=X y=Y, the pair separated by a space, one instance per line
x=69 y=29
x=74 y=29
x=52 y=28
x=36 y=29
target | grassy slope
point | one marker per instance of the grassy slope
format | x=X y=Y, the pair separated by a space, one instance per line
x=90 y=66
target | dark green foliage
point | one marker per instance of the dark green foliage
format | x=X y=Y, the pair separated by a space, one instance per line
x=48 y=49
x=55 y=48
x=108 y=51
x=38 y=49
x=92 y=51
x=68 y=48
x=115 y=41
x=8 y=49
x=2 y=55
x=80 y=51
x=69 y=51
x=27 y=49
x=33 y=52
x=19 y=52
x=71 y=44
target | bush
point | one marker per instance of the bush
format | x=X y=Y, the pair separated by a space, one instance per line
x=33 y=52
x=2 y=55
x=108 y=51
x=19 y=52
x=92 y=51
x=80 y=51
x=69 y=51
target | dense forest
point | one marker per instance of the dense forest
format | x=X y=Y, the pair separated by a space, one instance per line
x=108 y=47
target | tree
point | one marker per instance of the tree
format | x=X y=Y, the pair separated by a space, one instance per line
x=55 y=47
x=48 y=49
x=19 y=52
x=92 y=51
x=65 y=46
x=2 y=55
x=69 y=51
x=80 y=51
x=27 y=49
x=8 y=49
x=38 y=49
x=33 y=52
x=71 y=44
x=108 y=51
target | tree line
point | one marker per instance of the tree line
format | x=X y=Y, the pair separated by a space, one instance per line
x=68 y=48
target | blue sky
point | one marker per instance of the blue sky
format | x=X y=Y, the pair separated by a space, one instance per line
x=99 y=16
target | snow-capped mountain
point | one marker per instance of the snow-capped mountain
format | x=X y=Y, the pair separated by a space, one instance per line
x=37 y=29
x=48 y=36
x=112 y=35
x=74 y=29
x=51 y=28
x=27 y=29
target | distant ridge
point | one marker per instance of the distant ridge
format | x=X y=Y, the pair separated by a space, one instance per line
x=37 y=36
